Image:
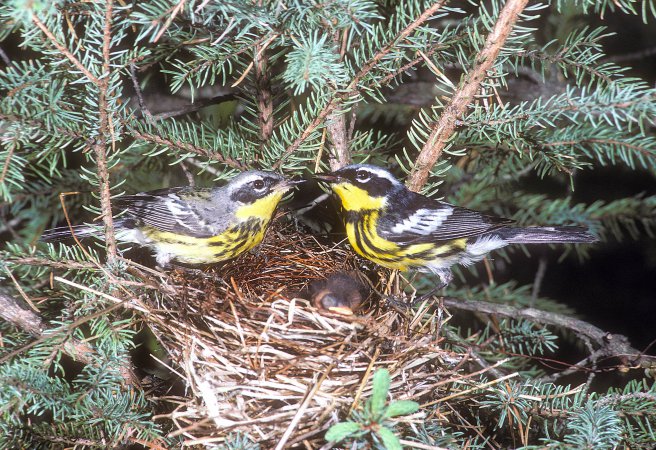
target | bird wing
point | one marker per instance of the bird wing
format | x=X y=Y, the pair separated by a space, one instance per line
x=181 y=210
x=426 y=220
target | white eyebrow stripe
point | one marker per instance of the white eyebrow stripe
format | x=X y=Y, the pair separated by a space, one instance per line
x=382 y=173
x=423 y=221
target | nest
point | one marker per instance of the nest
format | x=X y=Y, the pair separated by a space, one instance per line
x=258 y=358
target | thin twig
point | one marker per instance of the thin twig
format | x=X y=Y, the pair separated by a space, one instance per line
x=137 y=89
x=169 y=20
x=539 y=278
x=188 y=148
x=443 y=129
x=100 y=147
x=5 y=168
x=64 y=50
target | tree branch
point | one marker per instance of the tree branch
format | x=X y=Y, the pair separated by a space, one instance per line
x=352 y=87
x=610 y=345
x=100 y=147
x=22 y=318
x=264 y=96
x=159 y=140
x=339 y=155
x=445 y=126
x=64 y=50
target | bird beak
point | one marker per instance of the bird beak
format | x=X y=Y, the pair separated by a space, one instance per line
x=342 y=310
x=286 y=185
x=328 y=177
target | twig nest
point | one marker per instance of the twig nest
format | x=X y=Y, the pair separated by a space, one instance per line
x=258 y=359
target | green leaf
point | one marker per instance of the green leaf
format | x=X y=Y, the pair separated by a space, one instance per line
x=341 y=431
x=381 y=386
x=389 y=439
x=401 y=408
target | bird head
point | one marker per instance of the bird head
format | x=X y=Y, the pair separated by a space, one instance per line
x=341 y=293
x=257 y=192
x=361 y=186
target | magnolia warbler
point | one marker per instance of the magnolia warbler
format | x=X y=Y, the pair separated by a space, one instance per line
x=400 y=229
x=196 y=225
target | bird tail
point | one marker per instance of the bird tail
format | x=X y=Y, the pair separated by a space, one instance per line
x=81 y=231
x=546 y=235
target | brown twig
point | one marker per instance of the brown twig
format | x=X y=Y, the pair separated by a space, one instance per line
x=339 y=155
x=137 y=89
x=22 y=318
x=64 y=50
x=443 y=129
x=159 y=140
x=5 y=168
x=176 y=10
x=263 y=94
x=100 y=147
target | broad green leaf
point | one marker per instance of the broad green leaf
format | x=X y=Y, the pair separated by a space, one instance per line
x=341 y=431
x=381 y=386
x=389 y=439
x=401 y=408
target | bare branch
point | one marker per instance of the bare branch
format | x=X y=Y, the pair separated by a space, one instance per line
x=22 y=318
x=445 y=126
x=339 y=155
x=264 y=96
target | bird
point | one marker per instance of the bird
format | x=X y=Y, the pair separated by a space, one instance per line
x=397 y=228
x=191 y=225
x=342 y=293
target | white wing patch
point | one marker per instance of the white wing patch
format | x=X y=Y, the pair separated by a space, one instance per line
x=423 y=221
x=484 y=245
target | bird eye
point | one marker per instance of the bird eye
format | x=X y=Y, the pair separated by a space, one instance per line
x=362 y=175
x=258 y=185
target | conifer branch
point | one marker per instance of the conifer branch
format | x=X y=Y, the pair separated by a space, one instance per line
x=100 y=147
x=402 y=35
x=609 y=345
x=159 y=140
x=445 y=126
x=76 y=62
x=353 y=86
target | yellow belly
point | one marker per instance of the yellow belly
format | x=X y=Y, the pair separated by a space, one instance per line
x=366 y=242
x=193 y=250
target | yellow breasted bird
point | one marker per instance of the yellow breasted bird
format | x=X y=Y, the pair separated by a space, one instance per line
x=196 y=225
x=400 y=229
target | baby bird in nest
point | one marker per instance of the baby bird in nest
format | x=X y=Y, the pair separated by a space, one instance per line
x=342 y=293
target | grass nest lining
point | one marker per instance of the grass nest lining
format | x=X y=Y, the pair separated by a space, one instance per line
x=258 y=358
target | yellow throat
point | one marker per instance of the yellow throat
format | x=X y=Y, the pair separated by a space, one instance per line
x=356 y=199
